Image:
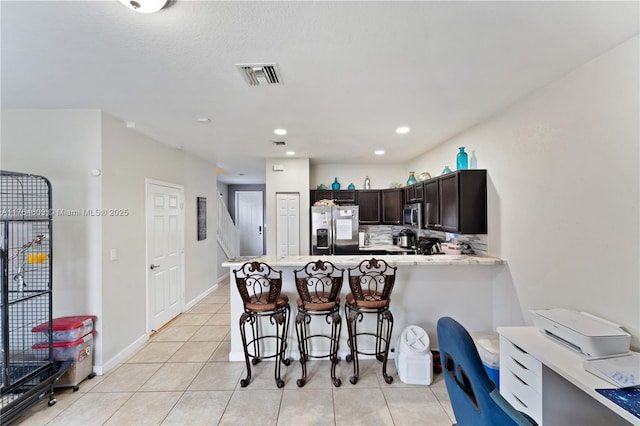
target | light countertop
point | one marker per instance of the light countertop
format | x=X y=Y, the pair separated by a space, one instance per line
x=354 y=260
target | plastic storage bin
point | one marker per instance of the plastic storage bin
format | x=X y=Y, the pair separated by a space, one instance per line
x=488 y=345
x=68 y=329
x=63 y=351
x=414 y=360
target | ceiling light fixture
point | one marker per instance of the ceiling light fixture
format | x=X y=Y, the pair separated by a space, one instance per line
x=379 y=152
x=280 y=132
x=145 y=6
x=290 y=153
x=403 y=130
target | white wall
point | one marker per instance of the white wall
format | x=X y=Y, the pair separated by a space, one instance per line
x=294 y=178
x=564 y=190
x=63 y=146
x=381 y=175
x=128 y=159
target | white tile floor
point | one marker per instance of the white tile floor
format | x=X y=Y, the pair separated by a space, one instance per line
x=182 y=377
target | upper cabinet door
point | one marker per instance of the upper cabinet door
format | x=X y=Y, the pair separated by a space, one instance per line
x=414 y=193
x=431 y=204
x=463 y=202
x=392 y=200
x=369 y=202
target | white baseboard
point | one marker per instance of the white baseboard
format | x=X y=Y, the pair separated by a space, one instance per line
x=122 y=356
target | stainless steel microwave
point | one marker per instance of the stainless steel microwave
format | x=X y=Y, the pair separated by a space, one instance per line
x=412 y=215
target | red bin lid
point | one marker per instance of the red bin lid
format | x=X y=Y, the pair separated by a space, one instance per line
x=65 y=323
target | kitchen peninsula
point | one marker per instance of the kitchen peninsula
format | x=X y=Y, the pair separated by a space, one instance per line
x=426 y=288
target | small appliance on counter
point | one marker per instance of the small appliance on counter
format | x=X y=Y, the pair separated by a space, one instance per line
x=407 y=238
x=429 y=246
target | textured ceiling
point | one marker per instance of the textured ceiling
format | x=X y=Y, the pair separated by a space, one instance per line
x=352 y=71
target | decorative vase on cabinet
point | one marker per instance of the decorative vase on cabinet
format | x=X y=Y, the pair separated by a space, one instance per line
x=412 y=179
x=462 y=159
x=446 y=170
x=335 y=185
x=367 y=183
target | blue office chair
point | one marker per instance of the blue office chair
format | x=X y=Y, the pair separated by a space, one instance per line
x=474 y=397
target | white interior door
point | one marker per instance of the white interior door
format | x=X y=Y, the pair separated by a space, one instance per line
x=288 y=224
x=250 y=222
x=165 y=253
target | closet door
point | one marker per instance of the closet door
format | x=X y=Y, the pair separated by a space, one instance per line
x=288 y=224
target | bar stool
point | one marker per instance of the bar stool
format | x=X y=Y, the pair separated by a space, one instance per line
x=318 y=284
x=371 y=283
x=259 y=286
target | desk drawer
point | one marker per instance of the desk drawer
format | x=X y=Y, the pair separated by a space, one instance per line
x=521 y=359
x=521 y=397
x=519 y=372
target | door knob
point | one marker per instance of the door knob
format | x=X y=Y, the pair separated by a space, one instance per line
x=152 y=267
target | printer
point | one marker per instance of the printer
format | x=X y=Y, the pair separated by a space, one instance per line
x=583 y=332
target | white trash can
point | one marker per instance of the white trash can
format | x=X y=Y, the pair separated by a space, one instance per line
x=414 y=360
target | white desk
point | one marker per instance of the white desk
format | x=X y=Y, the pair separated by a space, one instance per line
x=555 y=389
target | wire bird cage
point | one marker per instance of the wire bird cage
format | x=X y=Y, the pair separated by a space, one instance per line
x=26 y=252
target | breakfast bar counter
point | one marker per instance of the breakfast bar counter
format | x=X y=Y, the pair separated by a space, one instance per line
x=426 y=288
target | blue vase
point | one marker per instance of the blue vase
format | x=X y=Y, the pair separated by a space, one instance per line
x=351 y=187
x=335 y=185
x=412 y=179
x=446 y=170
x=462 y=159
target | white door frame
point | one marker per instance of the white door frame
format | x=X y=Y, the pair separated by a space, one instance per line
x=180 y=188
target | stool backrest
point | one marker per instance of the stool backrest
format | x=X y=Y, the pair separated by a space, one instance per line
x=372 y=280
x=319 y=282
x=258 y=283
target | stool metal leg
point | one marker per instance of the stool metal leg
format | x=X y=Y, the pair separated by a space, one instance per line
x=336 y=326
x=244 y=319
x=281 y=321
x=302 y=319
x=353 y=316
x=388 y=318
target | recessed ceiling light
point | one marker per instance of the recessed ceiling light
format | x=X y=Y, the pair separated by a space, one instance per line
x=204 y=120
x=280 y=132
x=379 y=152
x=402 y=130
x=290 y=153
x=144 y=6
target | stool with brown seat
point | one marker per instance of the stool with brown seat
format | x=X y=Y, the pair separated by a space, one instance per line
x=371 y=283
x=259 y=286
x=318 y=284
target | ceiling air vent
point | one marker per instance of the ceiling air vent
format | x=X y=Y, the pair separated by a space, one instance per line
x=279 y=143
x=260 y=74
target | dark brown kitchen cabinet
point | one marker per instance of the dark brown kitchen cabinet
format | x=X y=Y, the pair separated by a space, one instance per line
x=341 y=197
x=321 y=194
x=392 y=200
x=369 y=211
x=414 y=193
x=462 y=202
x=431 y=203
x=345 y=197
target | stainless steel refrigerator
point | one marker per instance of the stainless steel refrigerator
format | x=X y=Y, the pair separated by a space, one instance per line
x=334 y=230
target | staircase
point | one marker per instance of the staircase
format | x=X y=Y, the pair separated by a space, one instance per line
x=228 y=233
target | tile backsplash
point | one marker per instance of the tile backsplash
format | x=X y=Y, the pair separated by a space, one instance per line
x=382 y=234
